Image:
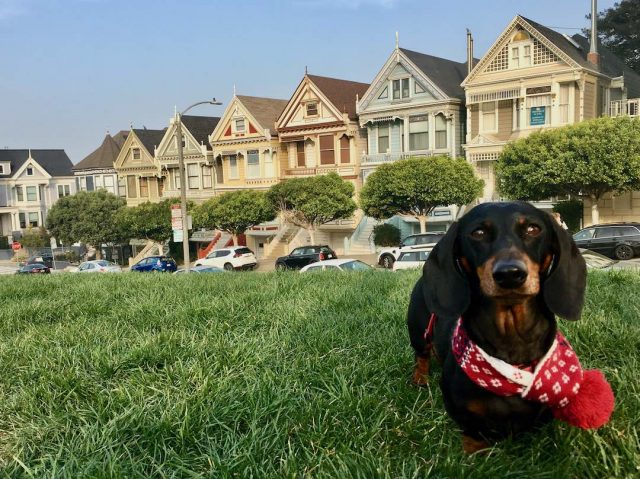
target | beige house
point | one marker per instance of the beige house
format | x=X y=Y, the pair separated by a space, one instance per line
x=197 y=155
x=534 y=78
x=139 y=172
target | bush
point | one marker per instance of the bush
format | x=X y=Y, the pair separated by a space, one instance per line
x=571 y=212
x=386 y=235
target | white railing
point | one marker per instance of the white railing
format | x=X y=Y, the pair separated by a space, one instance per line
x=389 y=157
x=625 y=107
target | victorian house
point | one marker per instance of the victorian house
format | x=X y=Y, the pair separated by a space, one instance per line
x=319 y=133
x=96 y=171
x=139 y=172
x=31 y=181
x=534 y=78
x=414 y=108
x=197 y=155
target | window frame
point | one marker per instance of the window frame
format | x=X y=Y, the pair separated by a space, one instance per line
x=234 y=171
x=253 y=164
x=313 y=106
x=136 y=154
x=33 y=223
x=380 y=138
x=482 y=128
x=193 y=179
x=34 y=193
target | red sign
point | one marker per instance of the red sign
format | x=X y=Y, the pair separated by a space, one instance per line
x=15 y=245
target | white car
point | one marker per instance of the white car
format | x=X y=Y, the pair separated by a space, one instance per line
x=345 y=264
x=230 y=258
x=98 y=266
x=388 y=256
x=412 y=259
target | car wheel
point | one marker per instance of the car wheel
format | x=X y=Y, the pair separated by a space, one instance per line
x=387 y=261
x=280 y=267
x=623 y=251
x=228 y=267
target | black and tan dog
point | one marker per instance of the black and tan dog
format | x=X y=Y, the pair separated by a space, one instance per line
x=507 y=269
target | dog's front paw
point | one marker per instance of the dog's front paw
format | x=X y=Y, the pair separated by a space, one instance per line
x=471 y=445
x=421 y=372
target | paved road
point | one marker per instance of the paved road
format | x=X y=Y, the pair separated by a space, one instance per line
x=7 y=269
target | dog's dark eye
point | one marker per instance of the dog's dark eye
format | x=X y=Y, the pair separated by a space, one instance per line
x=533 y=230
x=479 y=234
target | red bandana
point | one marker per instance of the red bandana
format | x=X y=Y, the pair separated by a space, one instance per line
x=580 y=397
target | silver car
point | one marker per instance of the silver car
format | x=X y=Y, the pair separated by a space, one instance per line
x=98 y=266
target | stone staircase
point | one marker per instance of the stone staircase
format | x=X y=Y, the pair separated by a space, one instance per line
x=279 y=245
x=361 y=241
x=150 y=249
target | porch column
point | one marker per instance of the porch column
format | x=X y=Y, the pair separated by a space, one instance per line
x=468 y=132
x=200 y=166
x=451 y=129
x=406 y=134
x=432 y=131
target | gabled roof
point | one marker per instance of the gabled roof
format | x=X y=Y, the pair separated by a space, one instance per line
x=149 y=138
x=265 y=110
x=446 y=74
x=105 y=155
x=200 y=127
x=341 y=93
x=54 y=162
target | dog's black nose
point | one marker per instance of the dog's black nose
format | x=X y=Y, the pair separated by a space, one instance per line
x=510 y=274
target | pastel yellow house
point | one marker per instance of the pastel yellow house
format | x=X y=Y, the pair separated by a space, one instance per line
x=197 y=155
x=534 y=78
x=138 y=169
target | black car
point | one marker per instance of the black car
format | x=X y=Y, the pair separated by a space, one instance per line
x=305 y=255
x=34 y=268
x=42 y=258
x=615 y=240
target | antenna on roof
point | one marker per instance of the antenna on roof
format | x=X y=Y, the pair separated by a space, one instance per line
x=305 y=70
x=397 y=40
x=234 y=89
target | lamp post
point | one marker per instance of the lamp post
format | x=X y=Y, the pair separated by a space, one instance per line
x=183 y=182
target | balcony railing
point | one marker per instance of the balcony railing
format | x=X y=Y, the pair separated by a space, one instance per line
x=321 y=170
x=390 y=157
x=625 y=107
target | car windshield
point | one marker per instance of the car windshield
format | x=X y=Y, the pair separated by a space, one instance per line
x=584 y=234
x=355 y=266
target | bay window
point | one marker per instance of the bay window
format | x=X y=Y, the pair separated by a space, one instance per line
x=193 y=176
x=253 y=164
x=418 y=133
x=441 y=131
x=383 y=138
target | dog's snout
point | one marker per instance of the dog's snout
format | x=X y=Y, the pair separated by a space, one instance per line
x=510 y=274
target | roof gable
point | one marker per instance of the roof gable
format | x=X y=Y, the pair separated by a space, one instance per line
x=195 y=132
x=142 y=140
x=105 y=155
x=53 y=163
x=258 y=115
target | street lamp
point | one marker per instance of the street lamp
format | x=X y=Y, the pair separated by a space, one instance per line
x=183 y=182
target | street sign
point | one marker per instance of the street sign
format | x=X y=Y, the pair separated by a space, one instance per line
x=53 y=243
x=15 y=246
x=176 y=223
x=538 y=114
x=176 y=211
x=177 y=236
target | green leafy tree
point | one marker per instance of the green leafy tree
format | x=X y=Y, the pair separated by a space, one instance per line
x=618 y=29
x=313 y=201
x=587 y=159
x=35 y=238
x=234 y=212
x=87 y=217
x=386 y=234
x=415 y=186
x=149 y=220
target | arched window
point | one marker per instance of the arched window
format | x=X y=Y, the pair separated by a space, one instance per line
x=441 y=131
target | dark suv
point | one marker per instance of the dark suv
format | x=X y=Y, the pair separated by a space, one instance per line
x=616 y=240
x=388 y=256
x=155 y=264
x=303 y=256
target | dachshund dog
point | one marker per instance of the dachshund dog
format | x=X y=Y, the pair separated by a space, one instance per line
x=506 y=269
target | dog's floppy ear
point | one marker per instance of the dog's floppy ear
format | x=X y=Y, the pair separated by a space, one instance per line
x=564 y=287
x=446 y=290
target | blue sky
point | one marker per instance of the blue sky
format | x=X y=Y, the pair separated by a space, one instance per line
x=74 y=69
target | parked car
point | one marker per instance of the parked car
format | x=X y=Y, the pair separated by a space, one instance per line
x=35 y=268
x=388 y=256
x=97 y=266
x=412 y=259
x=305 y=255
x=337 y=265
x=155 y=264
x=230 y=258
x=201 y=269
x=615 y=240
x=40 y=258
x=597 y=261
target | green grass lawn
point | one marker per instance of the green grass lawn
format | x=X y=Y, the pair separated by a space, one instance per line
x=270 y=375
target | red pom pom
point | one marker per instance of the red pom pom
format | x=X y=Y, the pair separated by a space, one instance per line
x=591 y=408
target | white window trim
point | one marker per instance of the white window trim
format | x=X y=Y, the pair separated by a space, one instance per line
x=235 y=176
x=27 y=169
x=234 y=121
x=399 y=79
x=481 y=128
x=549 y=116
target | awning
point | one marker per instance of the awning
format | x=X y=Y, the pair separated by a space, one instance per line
x=383 y=119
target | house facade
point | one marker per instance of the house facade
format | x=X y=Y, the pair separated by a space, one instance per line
x=139 y=172
x=197 y=155
x=31 y=181
x=96 y=171
x=414 y=107
x=535 y=78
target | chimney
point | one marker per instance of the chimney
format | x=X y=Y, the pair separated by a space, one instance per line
x=593 y=56
x=469 y=52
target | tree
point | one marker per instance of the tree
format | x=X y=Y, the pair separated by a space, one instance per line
x=415 y=186
x=87 y=217
x=234 y=212
x=313 y=201
x=35 y=238
x=587 y=159
x=149 y=220
x=618 y=28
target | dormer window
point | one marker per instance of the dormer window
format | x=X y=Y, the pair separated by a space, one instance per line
x=520 y=50
x=136 y=153
x=400 y=89
x=29 y=171
x=312 y=109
